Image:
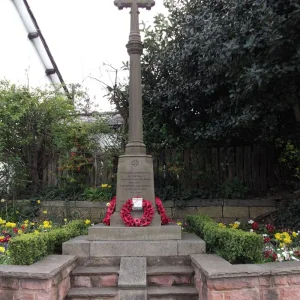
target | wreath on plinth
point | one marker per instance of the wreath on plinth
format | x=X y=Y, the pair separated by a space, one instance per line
x=127 y=208
x=146 y=218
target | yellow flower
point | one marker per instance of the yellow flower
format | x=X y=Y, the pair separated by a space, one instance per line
x=104 y=185
x=277 y=236
x=26 y=222
x=2 y=249
x=1 y=237
x=46 y=224
x=45 y=212
x=2 y=222
x=294 y=234
x=287 y=240
x=109 y=186
x=2 y=200
x=38 y=201
x=20 y=231
x=87 y=222
x=65 y=220
x=281 y=245
x=179 y=223
x=36 y=232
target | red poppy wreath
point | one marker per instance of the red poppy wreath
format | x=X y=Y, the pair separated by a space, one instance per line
x=127 y=208
x=146 y=218
x=110 y=210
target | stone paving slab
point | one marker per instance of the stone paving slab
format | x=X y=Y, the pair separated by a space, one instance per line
x=132 y=273
x=174 y=270
x=92 y=292
x=95 y=270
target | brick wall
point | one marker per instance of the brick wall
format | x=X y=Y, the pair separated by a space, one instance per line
x=216 y=279
x=48 y=279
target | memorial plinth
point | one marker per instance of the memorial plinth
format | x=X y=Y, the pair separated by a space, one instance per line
x=151 y=233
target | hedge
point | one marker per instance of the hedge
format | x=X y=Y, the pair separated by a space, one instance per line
x=234 y=245
x=29 y=248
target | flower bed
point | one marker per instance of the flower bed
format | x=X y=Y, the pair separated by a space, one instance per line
x=246 y=243
x=27 y=242
x=279 y=244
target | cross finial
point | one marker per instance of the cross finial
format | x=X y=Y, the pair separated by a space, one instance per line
x=148 y=4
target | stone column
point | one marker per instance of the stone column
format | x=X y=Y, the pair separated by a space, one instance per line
x=135 y=50
x=135 y=177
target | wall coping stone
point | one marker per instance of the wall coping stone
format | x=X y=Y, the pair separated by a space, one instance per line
x=43 y=269
x=194 y=202
x=215 y=267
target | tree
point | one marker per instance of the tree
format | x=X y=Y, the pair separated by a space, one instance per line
x=222 y=71
x=36 y=125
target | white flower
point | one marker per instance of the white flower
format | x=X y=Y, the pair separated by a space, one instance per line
x=2 y=200
x=237 y=222
x=251 y=230
x=264 y=235
x=250 y=222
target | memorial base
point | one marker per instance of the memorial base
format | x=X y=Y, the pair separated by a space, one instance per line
x=102 y=232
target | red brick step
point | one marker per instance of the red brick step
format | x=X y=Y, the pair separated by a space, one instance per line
x=170 y=276
x=93 y=277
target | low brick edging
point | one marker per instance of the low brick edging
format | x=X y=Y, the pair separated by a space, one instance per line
x=222 y=210
x=48 y=279
x=217 y=279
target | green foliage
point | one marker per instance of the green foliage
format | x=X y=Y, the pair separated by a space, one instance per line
x=103 y=193
x=234 y=188
x=225 y=71
x=29 y=248
x=18 y=211
x=288 y=213
x=234 y=245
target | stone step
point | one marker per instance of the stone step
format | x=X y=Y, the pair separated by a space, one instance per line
x=170 y=276
x=103 y=261
x=159 y=261
x=92 y=293
x=172 y=293
x=95 y=277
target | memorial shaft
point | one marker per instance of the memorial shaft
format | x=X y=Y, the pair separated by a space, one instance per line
x=135 y=49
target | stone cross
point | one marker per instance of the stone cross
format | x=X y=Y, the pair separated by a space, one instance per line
x=135 y=143
x=135 y=177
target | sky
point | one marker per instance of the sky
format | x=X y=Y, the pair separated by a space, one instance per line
x=83 y=36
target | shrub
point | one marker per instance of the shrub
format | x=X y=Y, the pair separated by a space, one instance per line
x=29 y=248
x=234 y=245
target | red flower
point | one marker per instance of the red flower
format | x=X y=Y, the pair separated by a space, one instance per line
x=270 y=228
x=255 y=226
x=267 y=240
x=15 y=230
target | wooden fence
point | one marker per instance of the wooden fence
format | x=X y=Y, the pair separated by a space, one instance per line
x=254 y=165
